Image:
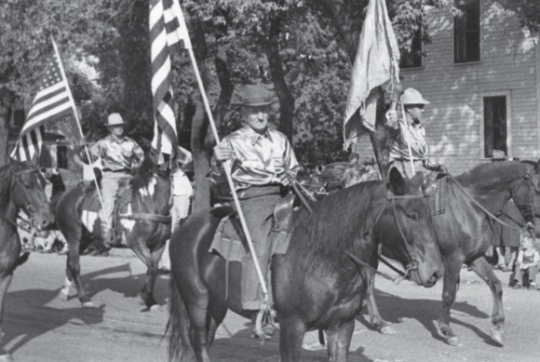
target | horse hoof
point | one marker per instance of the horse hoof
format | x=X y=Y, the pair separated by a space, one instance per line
x=64 y=296
x=452 y=341
x=88 y=304
x=498 y=336
x=154 y=308
x=387 y=330
x=6 y=358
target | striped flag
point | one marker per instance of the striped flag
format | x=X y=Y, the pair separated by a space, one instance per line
x=168 y=33
x=51 y=102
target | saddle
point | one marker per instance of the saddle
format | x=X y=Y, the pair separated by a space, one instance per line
x=435 y=186
x=91 y=202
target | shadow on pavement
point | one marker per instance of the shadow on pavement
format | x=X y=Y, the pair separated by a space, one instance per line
x=394 y=309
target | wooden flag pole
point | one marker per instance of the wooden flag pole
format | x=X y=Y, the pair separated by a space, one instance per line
x=77 y=118
x=227 y=168
x=406 y=136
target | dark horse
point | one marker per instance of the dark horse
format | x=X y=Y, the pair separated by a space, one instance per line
x=145 y=225
x=21 y=187
x=465 y=232
x=318 y=284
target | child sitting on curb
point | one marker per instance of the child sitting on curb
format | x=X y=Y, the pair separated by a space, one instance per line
x=527 y=263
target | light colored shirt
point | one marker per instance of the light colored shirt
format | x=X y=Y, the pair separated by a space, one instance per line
x=123 y=154
x=262 y=159
x=415 y=134
x=528 y=257
x=181 y=185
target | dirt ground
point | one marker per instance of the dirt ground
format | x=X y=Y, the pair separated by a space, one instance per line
x=39 y=326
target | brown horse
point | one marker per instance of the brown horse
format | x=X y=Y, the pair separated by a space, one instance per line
x=21 y=188
x=318 y=284
x=145 y=225
x=465 y=231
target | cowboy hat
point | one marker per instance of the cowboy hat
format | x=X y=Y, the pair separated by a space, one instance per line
x=114 y=120
x=255 y=95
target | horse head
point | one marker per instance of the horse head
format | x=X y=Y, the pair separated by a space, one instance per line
x=27 y=193
x=405 y=229
x=526 y=193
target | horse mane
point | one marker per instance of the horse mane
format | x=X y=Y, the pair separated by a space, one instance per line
x=145 y=172
x=336 y=222
x=491 y=172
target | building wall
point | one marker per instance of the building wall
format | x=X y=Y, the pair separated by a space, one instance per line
x=454 y=120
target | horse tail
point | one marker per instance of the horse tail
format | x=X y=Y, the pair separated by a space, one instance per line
x=180 y=348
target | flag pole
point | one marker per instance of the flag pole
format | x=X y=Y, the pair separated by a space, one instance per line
x=405 y=131
x=76 y=117
x=227 y=168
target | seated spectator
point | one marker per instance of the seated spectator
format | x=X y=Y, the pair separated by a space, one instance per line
x=527 y=264
x=371 y=172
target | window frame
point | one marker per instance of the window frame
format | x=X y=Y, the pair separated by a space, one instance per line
x=418 y=38
x=507 y=95
x=459 y=32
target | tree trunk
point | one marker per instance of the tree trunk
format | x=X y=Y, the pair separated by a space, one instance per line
x=285 y=97
x=6 y=104
x=202 y=137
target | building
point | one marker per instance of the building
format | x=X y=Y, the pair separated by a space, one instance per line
x=481 y=74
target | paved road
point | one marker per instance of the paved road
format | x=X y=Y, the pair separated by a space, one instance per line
x=39 y=326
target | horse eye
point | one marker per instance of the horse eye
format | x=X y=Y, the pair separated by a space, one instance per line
x=412 y=215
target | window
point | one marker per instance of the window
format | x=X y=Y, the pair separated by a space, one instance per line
x=495 y=131
x=467 y=31
x=413 y=58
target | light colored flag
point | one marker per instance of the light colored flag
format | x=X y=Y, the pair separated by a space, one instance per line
x=376 y=62
x=52 y=101
x=168 y=33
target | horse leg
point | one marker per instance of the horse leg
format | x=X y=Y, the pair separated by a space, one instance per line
x=4 y=285
x=374 y=316
x=450 y=285
x=339 y=341
x=151 y=260
x=291 y=336
x=484 y=271
x=73 y=273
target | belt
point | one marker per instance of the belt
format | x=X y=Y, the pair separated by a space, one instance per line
x=257 y=191
x=405 y=160
x=123 y=170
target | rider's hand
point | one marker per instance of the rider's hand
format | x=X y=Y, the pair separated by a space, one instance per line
x=223 y=152
x=391 y=118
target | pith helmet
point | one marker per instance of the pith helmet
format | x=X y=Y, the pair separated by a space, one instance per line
x=255 y=96
x=115 y=119
x=412 y=96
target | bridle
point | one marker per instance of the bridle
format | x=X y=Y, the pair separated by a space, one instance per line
x=412 y=264
x=16 y=175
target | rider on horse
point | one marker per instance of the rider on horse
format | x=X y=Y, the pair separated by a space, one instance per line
x=412 y=132
x=261 y=159
x=119 y=155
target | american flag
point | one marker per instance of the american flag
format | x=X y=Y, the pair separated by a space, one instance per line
x=51 y=102
x=168 y=33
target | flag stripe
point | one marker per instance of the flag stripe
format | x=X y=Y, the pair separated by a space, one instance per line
x=168 y=32
x=51 y=102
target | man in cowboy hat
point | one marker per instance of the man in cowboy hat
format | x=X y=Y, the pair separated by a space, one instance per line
x=261 y=158
x=413 y=133
x=119 y=154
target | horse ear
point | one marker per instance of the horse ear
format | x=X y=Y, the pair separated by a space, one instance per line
x=417 y=180
x=398 y=185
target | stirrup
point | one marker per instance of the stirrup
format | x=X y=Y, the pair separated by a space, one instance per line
x=264 y=323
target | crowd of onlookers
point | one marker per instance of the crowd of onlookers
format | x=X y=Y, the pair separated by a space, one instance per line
x=516 y=252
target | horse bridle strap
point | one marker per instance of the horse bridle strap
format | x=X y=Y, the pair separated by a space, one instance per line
x=491 y=215
x=149 y=217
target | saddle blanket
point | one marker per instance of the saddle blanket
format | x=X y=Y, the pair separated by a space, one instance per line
x=230 y=242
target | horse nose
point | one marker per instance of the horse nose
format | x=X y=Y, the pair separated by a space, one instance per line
x=434 y=277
